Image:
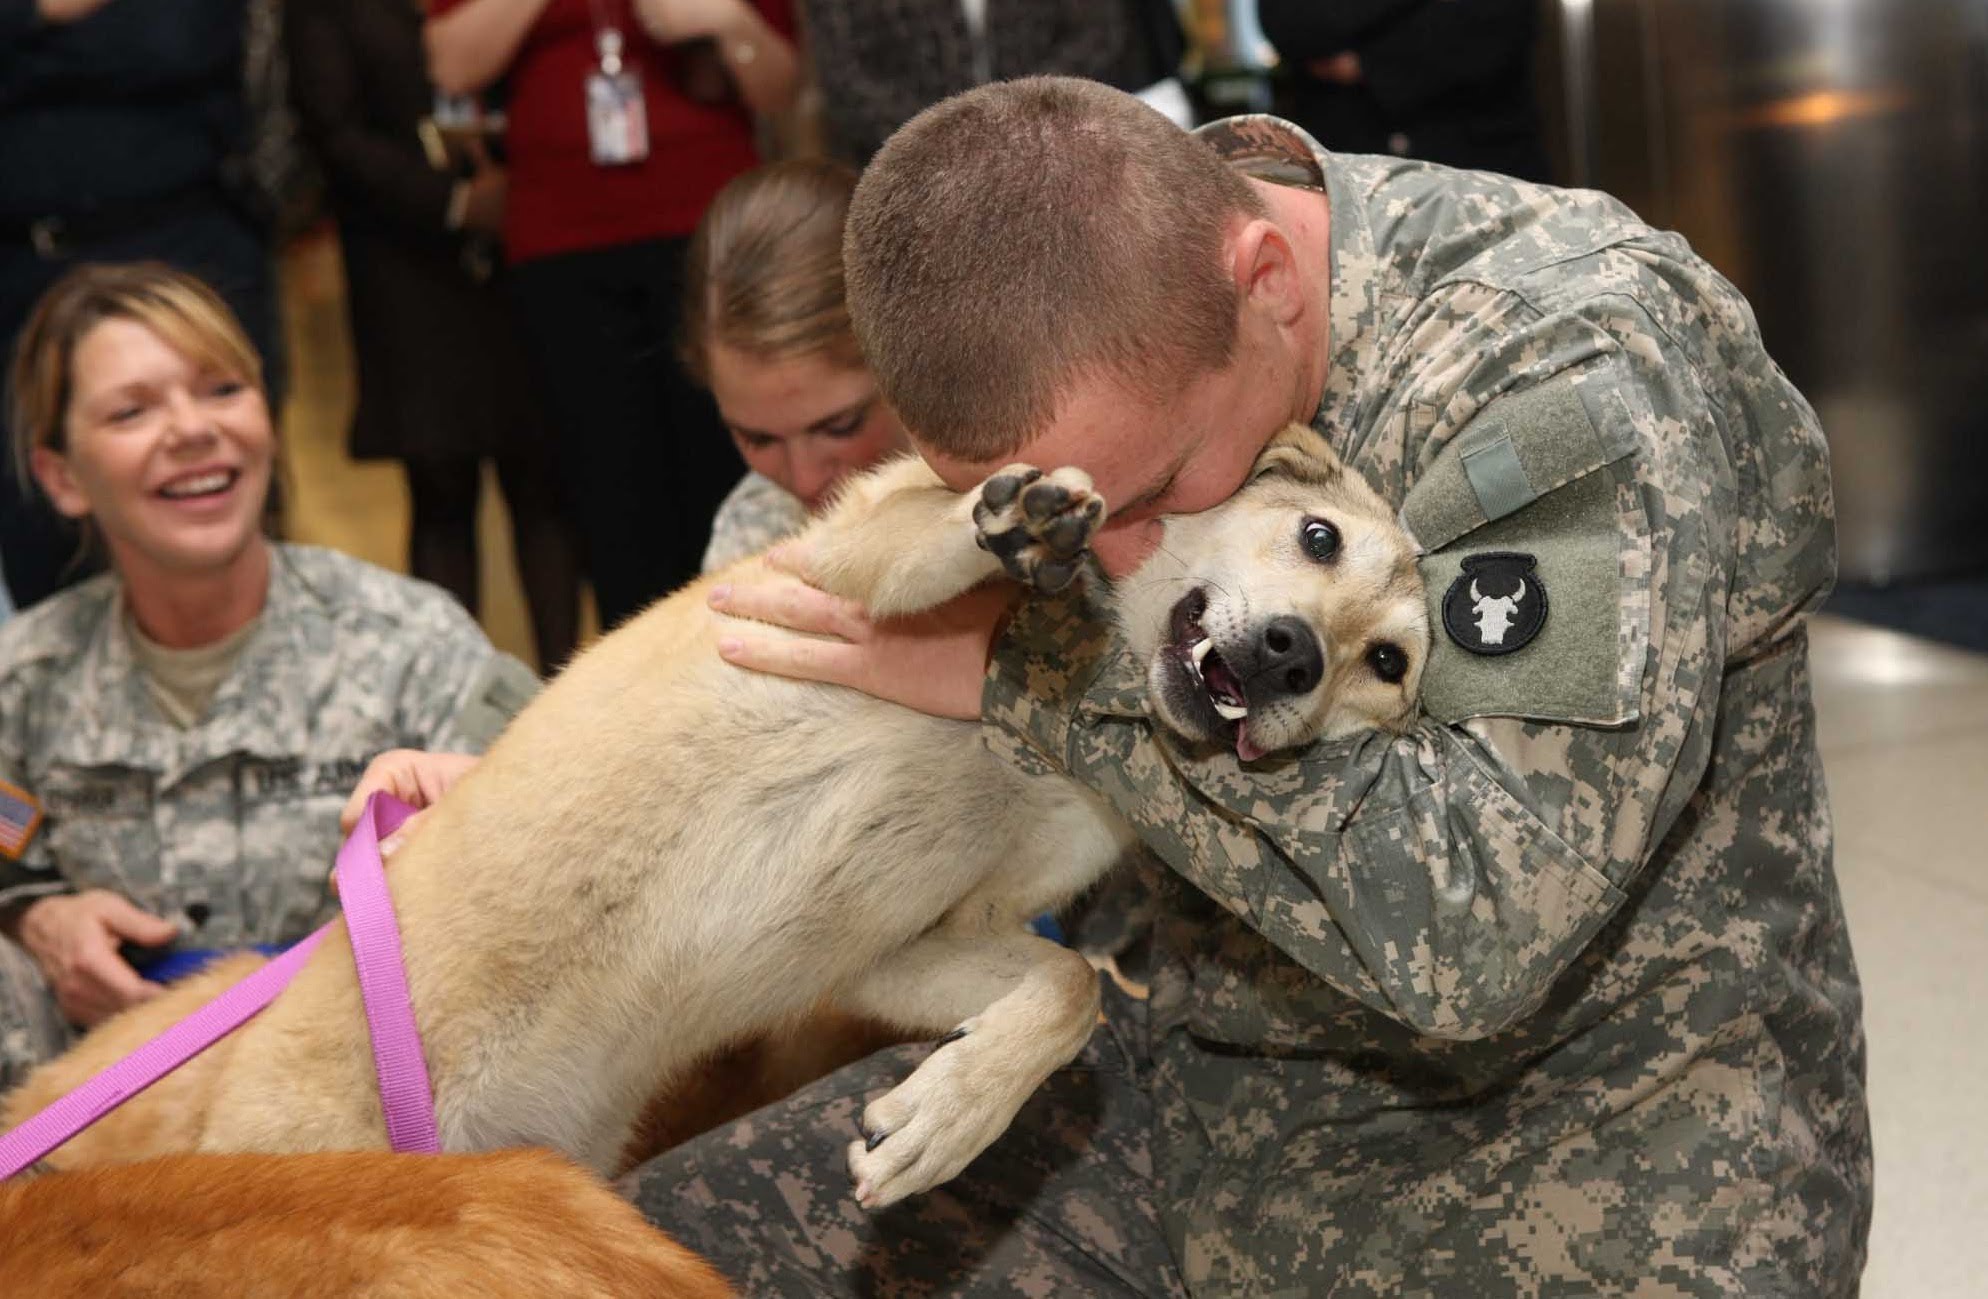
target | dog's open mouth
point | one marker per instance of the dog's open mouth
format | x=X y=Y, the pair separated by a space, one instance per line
x=1224 y=692
x=1219 y=688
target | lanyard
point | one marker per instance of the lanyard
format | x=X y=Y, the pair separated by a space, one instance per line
x=608 y=40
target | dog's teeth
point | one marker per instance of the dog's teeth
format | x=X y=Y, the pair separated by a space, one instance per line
x=1200 y=651
x=1232 y=712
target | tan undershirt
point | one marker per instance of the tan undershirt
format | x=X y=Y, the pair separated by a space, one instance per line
x=183 y=681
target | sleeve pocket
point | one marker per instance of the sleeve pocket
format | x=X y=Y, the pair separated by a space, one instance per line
x=1535 y=476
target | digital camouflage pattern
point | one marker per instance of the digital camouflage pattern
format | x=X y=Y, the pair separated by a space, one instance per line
x=1061 y=1207
x=239 y=814
x=1552 y=996
x=1555 y=999
x=756 y=513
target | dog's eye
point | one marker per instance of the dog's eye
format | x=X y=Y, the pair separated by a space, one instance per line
x=1388 y=661
x=1319 y=538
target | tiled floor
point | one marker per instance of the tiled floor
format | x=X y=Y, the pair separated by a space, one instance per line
x=1905 y=740
x=1905 y=747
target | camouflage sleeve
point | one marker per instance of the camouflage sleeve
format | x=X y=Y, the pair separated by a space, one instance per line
x=1448 y=876
x=460 y=690
x=27 y=869
x=755 y=514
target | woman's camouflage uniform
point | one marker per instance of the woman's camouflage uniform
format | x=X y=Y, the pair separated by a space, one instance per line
x=236 y=817
x=756 y=513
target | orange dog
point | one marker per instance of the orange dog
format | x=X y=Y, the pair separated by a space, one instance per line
x=523 y=1223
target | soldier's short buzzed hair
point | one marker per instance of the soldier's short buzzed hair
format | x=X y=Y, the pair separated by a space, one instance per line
x=1022 y=235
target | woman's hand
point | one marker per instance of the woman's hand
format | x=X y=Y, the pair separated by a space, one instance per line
x=415 y=777
x=59 y=12
x=672 y=21
x=761 y=63
x=74 y=940
x=933 y=662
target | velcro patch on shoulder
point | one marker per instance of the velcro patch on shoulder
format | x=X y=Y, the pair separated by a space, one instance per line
x=20 y=817
x=499 y=693
x=1537 y=614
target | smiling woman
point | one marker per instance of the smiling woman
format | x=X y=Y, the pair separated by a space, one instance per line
x=177 y=735
x=149 y=425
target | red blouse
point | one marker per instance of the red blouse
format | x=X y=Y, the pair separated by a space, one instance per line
x=560 y=200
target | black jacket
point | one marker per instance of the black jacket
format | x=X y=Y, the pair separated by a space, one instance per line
x=1449 y=81
x=441 y=375
x=142 y=99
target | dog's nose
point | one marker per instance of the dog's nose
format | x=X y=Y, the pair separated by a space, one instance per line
x=1288 y=655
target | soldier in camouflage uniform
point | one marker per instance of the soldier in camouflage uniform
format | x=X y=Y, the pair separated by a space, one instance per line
x=177 y=737
x=233 y=820
x=1552 y=996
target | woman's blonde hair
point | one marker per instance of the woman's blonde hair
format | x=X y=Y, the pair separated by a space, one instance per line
x=764 y=270
x=190 y=317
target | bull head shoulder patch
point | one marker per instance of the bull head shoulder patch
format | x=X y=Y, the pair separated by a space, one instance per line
x=1497 y=604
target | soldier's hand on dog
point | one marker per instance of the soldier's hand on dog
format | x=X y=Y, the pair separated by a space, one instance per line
x=933 y=662
x=415 y=777
x=74 y=939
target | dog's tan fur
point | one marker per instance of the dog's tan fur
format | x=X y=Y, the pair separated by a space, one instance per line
x=521 y=1223
x=664 y=854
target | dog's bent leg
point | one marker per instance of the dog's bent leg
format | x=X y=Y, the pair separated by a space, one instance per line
x=1020 y=1007
x=899 y=541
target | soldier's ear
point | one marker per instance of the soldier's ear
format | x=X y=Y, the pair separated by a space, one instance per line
x=1301 y=454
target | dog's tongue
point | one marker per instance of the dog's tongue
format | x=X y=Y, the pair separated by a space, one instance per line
x=1246 y=748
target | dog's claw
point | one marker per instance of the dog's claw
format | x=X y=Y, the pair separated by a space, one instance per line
x=871 y=1140
x=953 y=1036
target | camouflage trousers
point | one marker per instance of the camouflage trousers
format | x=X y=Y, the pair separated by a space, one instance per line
x=31 y=1028
x=1062 y=1204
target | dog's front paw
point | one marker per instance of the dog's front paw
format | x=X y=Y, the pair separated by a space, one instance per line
x=930 y=1126
x=1038 y=525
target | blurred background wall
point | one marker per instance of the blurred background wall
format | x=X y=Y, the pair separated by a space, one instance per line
x=1831 y=158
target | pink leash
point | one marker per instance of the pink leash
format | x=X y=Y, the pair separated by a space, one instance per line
x=405 y=1092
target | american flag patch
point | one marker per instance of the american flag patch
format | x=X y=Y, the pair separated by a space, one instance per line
x=20 y=817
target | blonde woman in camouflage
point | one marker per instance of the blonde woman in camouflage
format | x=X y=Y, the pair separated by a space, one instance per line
x=767 y=330
x=177 y=734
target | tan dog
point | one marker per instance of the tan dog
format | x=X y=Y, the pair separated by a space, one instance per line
x=522 y=1223
x=664 y=854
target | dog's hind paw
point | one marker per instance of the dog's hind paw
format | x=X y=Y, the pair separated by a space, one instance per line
x=1038 y=525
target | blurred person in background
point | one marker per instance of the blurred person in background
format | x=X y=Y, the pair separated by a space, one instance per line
x=625 y=118
x=177 y=734
x=1447 y=81
x=879 y=62
x=443 y=381
x=767 y=330
x=119 y=126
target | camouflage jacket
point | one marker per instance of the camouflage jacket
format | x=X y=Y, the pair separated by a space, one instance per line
x=754 y=514
x=238 y=814
x=1574 y=946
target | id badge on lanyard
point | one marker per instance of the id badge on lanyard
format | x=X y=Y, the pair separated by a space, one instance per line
x=617 y=119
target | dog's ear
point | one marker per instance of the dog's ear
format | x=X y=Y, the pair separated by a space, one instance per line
x=1299 y=453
